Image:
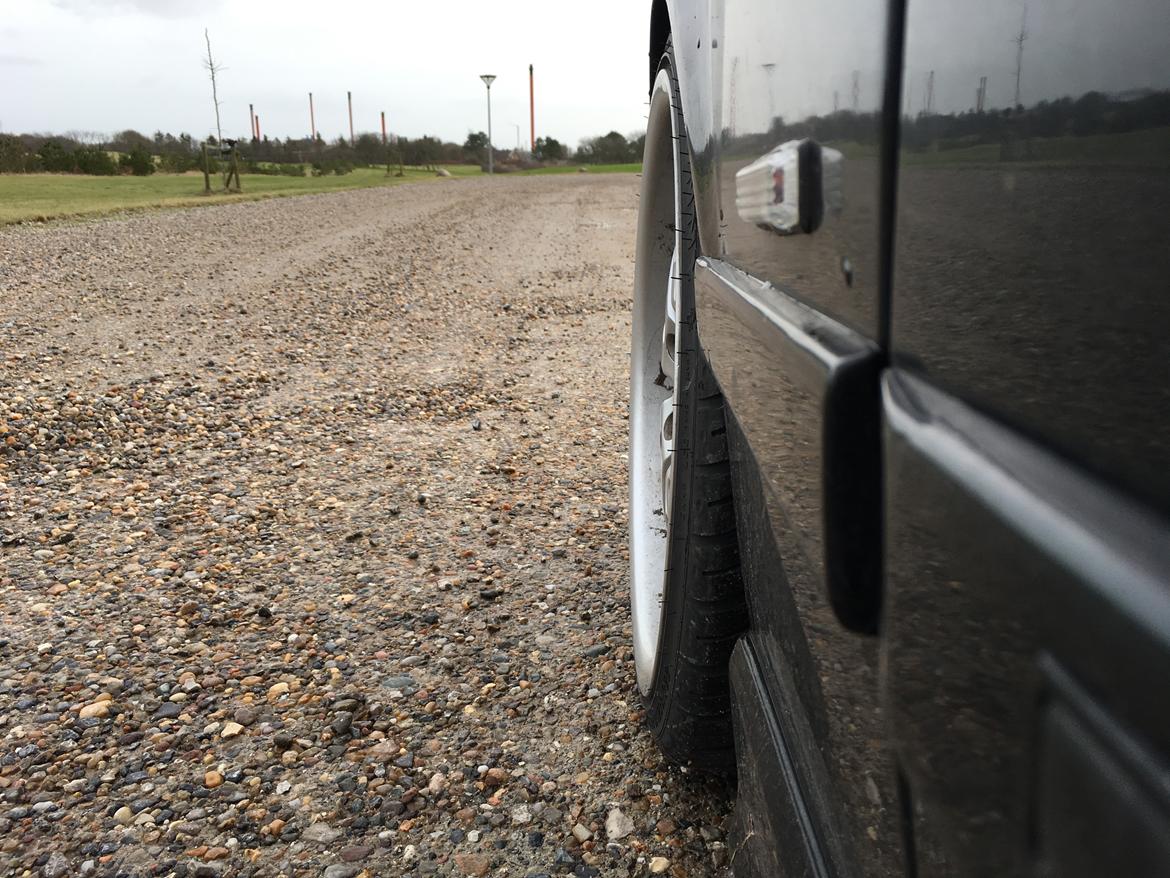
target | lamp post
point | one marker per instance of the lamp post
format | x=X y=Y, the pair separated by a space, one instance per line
x=488 y=79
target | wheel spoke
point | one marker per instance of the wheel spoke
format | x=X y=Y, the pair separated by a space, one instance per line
x=669 y=356
x=666 y=439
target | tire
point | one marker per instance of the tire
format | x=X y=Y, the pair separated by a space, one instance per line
x=702 y=612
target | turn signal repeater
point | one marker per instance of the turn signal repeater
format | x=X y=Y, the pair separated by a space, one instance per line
x=791 y=189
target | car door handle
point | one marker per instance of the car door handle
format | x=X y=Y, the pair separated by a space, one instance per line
x=791 y=189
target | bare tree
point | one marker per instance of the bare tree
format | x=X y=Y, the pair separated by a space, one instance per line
x=212 y=69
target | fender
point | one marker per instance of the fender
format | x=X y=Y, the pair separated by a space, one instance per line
x=695 y=26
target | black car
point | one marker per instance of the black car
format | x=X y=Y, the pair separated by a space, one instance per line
x=900 y=430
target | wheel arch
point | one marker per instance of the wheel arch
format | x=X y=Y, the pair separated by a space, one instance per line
x=659 y=32
x=690 y=25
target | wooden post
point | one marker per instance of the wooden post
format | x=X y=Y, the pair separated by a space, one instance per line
x=234 y=171
x=206 y=172
x=349 y=99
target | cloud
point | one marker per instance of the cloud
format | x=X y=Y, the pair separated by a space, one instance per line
x=159 y=8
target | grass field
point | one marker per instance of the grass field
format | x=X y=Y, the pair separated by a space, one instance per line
x=49 y=196
x=39 y=197
x=1147 y=147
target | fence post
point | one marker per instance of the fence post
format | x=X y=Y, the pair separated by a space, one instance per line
x=206 y=172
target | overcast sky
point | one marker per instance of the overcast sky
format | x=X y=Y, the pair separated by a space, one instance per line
x=107 y=65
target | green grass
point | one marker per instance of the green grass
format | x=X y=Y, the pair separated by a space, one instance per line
x=631 y=168
x=50 y=196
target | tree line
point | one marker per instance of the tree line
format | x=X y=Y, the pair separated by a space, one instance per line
x=131 y=151
x=1011 y=128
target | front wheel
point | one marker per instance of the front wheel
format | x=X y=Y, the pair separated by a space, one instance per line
x=686 y=593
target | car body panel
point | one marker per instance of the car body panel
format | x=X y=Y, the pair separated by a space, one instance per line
x=1028 y=438
x=792 y=327
x=694 y=29
x=787 y=373
x=1012 y=345
x=1004 y=561
x=791 y=70
x=1033 y=255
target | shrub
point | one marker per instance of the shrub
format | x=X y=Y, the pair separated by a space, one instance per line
x=177 y=163
x=95 y=161
x=138 y=162
x=55 y=158
x=331 y=166
x=295 y=170
x=14 y=158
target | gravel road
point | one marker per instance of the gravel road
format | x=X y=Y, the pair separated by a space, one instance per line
x=313 y=543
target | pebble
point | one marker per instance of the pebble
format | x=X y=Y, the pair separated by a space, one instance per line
x=321 y=833
x=618 y=825
x=235 y=629
x=472 y=864
x=98 y=710
x=56 y=866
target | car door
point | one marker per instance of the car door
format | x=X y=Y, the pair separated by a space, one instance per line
x=790 y=315
x=1027 y=422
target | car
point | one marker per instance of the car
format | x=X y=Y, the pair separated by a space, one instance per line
x=900 y=430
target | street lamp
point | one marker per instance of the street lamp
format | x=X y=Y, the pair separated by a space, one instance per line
x=488 y=79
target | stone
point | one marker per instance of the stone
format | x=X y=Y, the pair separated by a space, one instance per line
x=355 y=853
x=581 y=833
x=124 y=815
x=618 y=825
x=658 y=865
x=277 y=690
x=97 y=710
x=212 y=779
x=340 y=870
x=472 y=864
x=321 y=833
x=246 y=716
x=231 y=730
x=342 y=723
x=56 y=867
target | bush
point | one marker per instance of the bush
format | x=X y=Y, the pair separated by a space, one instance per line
x=138 y=162
x=94 y=161
x=177 y=163
x=331 y=166
x=273 y=169
x=14 y=158
x=265 y=169
x=55 y=158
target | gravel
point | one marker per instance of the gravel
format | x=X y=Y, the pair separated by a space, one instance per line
x=313 y=543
